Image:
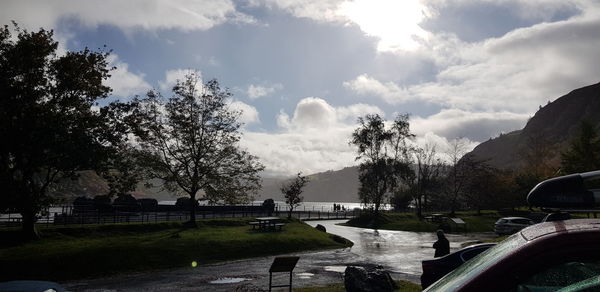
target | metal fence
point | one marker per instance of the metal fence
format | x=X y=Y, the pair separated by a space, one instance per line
x=66 y=215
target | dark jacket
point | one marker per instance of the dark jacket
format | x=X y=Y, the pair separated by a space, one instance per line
x=441 y=246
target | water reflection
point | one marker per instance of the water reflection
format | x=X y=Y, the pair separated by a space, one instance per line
x=398 y=251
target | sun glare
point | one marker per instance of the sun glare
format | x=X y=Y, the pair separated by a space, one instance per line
x=395 y=22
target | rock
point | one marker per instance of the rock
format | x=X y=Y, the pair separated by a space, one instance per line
x=359 y=279
x=321 y=228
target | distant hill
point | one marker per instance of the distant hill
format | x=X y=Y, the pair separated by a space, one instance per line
x=554 y=124
x=329 y=186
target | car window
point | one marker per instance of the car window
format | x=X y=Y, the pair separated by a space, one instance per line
x=521 y=221
x=565 y=277
x=469 y=254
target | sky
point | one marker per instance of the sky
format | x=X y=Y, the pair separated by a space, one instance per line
x=303 y=71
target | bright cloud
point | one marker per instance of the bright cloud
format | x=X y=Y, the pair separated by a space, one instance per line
x=123 y=82
x=256 y=91
x=314 y=139
x=172 y=76
x=475 y=126
x=134 y=14
x=388 y=91
x=396 y=23
x=249 y=113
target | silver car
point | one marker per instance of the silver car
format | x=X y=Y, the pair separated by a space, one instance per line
x=510 y=225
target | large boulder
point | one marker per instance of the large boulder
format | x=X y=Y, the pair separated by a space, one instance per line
x=359 y=279
x=321 y=228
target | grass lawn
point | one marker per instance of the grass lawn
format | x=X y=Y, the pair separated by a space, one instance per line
x=403 y=286
x=96 y=250
x=483 y=222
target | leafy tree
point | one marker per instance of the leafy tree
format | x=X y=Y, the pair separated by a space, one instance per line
x=48 y=127
x=384 y=154
x=292 y=192
x=190 y=142
x=584 y=152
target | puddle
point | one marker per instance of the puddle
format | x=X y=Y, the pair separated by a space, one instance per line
x=228 y=280
x=339 y=269
x=304 y=275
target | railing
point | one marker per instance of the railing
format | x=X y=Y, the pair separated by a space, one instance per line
x=70 y=216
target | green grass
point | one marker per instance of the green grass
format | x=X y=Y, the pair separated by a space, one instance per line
x=78 y=252
x=483 y=222
x=403 y=286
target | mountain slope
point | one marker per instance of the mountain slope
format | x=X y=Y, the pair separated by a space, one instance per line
x=553 y=125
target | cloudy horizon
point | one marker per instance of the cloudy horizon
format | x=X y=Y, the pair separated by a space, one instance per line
x=304 y=71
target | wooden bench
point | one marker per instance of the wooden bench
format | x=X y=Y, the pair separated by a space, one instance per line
x=279 y=226
x=254 y=224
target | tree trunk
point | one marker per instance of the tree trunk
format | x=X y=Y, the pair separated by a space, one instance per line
x=290 y=212
x=29 y=231
x=192 y=222
x=419 y=206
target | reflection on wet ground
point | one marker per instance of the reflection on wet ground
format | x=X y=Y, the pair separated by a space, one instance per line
x=399 y=252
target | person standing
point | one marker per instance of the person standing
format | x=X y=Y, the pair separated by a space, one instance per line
x=442 y=245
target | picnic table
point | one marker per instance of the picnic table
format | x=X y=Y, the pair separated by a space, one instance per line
x=436 y=218
x=267 y=223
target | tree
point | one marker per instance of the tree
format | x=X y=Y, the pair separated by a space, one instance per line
x=426 y=179
x=384 y=153
x=456 y=179
x=292 y=192
x=584 y=152
x=48 y=127
x=484 y=188
x=190 y=142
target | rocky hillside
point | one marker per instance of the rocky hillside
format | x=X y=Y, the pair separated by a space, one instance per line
x=553 y=125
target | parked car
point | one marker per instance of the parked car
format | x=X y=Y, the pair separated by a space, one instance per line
x=510 y=225
x=31 y=286
x=436 y=268
x=550 y=256
x=557 y=216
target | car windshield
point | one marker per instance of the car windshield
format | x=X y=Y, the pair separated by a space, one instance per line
x=481 y=262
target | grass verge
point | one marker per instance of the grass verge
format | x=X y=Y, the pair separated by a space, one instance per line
x=90 y=251
x=483 y=222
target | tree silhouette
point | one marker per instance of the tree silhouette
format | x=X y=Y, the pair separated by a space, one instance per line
x=384 y=154
x=584 y=151
x=292 y=192
x=190 y=142
x=48 y=127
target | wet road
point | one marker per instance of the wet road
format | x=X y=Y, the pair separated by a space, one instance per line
x=397 y=251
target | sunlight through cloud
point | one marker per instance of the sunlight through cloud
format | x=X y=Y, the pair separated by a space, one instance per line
x=396 y=23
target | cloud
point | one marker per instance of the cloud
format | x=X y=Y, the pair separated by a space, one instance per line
x=315 y=138
x=320 y=10
x=249 y=113
x=123 y=82
x=172 y=76
x=127 y=15
x=514 y=73
x=475 y=126
x=388 y=91
x=256 y=91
